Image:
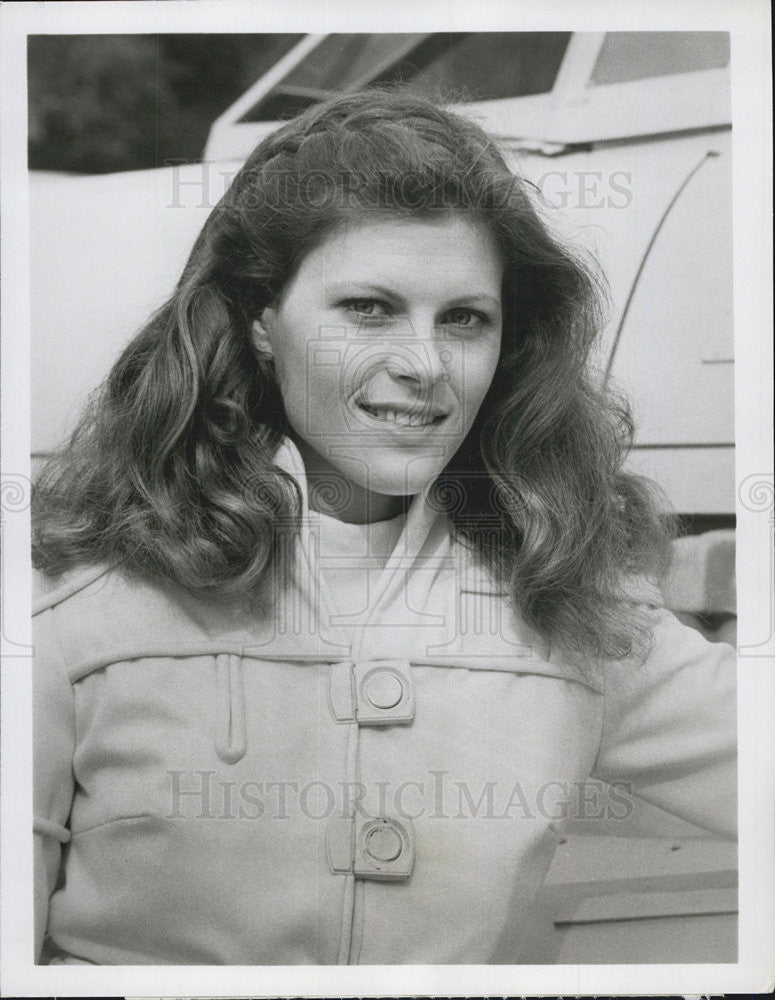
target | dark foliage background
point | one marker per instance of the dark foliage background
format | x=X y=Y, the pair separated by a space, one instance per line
x=99 y=103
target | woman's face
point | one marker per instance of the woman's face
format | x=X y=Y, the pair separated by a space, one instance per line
x=385 y=342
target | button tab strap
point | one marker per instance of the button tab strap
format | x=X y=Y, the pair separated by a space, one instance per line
x=379 y=849
x=373 y=692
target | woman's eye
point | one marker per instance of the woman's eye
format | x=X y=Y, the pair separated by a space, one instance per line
x=464 y=317
x=367 y=308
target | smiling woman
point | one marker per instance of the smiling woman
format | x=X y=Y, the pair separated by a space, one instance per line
x=408 y=369
x=349 y=516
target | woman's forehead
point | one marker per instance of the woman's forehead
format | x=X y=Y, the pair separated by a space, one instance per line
x=451 y=255
x=401 y=244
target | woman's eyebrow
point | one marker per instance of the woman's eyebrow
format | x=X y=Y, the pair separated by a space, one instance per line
x=349 y=286
x=474 y=298
x=367 y=287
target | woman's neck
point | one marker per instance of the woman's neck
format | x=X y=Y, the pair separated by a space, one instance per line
x=338 y=497
x=331 y=492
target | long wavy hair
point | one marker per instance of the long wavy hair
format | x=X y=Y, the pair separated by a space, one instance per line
x=170 y=472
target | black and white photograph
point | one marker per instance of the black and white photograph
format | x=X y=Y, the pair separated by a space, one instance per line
x=387 y=499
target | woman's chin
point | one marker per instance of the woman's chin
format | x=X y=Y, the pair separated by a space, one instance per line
x=399 y=478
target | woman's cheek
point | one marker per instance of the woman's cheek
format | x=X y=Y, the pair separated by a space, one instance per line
x=476 y=379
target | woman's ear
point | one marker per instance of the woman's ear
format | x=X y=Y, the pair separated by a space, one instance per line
x=262 y=331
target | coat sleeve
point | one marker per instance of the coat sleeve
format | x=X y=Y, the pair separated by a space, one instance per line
x=670 y=727
x=54 y=745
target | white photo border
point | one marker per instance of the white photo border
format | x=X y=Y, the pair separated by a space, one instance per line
x=748 y=24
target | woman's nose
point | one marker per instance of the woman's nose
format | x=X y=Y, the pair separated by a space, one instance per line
x=421 y=359
x=420 y=364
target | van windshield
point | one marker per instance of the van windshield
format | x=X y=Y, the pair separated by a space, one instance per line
x=450 y=66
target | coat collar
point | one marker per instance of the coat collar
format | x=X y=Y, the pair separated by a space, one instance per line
x=421 y=517
x=433 y=599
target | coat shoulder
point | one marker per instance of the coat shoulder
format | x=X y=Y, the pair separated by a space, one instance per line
x=100 y=614
x=49 y=591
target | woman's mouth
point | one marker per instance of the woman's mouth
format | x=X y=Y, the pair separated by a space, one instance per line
x=402 y=417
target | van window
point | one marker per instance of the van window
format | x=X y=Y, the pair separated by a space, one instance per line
x=639 y=55
x=456 y=66
x=344 y=62
x=485 y=66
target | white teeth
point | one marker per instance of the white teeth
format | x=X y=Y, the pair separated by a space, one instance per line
x=401 y=418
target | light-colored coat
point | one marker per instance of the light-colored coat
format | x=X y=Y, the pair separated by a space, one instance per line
x=289 y=786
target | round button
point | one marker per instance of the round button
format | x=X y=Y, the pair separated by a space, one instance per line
x=383 y=689
x=383 y=843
